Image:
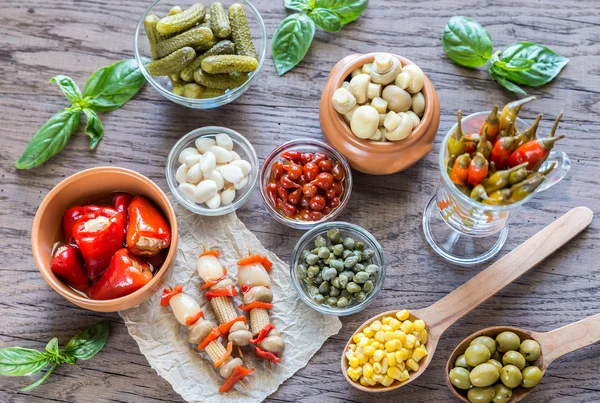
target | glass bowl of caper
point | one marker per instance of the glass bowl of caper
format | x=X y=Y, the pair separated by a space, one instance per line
x=338 y=268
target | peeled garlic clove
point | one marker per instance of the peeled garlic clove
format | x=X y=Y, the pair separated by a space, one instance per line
x=205 y=190
x=228 y=195
x=223 y=140
x=194 y=174
x=187 y=190
x=203 y=144
x=217 y=177
x=214 y=202
x=221 y=154
x=241 y=184
x=192 y=160
x=232 y=173
x=243 y=165
x=181 y=173
x=208 y=162
x=235 y=156
x=186 y=152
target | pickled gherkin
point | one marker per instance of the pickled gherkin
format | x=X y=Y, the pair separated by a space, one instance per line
x=220 y=48
x=179 y=90
x=240 y=31
x=181 y=21
x=152 y=34
x=229 y=64
x=197 y=91
x=193 y=38
x=220 y=81
x=175 y=10
x=219 y=21
x=206 y=46
x=173 y=63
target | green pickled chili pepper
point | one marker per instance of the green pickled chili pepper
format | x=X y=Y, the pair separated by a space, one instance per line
x=492 y=124
x=527 y=134
x=517 y=176
x=555 y=125
x=484 y=146
x=493 y=169
x=544 y=172
x=456 y=144
x=511 y=110
x=478 y=193
x=450 y=164
x=499 y=179
x=499 y=197
x=525 y=188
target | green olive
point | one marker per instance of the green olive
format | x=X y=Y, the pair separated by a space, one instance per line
x=496 y=364
x=477 y=354
x=531 y=377
x=530 y=350
x=515 y=358
x=481 y=395
x=497 y=356
x=507 y=341
x=503 y=394
x=484 y=375
x=511 y=376
x=461 y=361
x=460 y=378
x=486 y=341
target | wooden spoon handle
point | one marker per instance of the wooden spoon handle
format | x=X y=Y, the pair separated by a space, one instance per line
x=474 y=292
x=569 y=338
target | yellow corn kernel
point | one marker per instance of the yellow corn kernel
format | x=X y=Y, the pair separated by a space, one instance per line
x=407 y=326
x=367 y=370
x=379 y=336
x=394 y=372
x=359 y=352
x=412 y=364
x=401 y=366
x=352 y=347
x=371 y=361
x=398 y=344
x=390 y=346
x=362 y=360
x=357 y=337
x=406 y=353
x=391 y=359
x=375 y=344
x=402 y=315
x=419 y=353
x=386 y=328
x=389 y=335
x=423 y=336
x=384 y=366
x=387 y=381
x=378 y=378
x=411 y=338
x=399 y=356
x=386 y=320
x=400 y=335
x=405 y=376
x=353 y=362
x=419 y=325
x=363 y=382
x=377 y=368
x=363 y=342
x=378 y=356
x=354 y=373
x=349 y=354
x=375 y=326
x=371 y=381
x=368 y=350
x=368 y=332
x=395 y=324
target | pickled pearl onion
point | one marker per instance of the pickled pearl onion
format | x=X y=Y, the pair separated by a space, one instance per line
x=253 y=275
x=209 y=268
x=183 y=306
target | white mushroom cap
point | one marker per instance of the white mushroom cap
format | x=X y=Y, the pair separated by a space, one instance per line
x=398 y=99
x=365 y=122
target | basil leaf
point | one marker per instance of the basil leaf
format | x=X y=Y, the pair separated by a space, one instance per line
x=326 y=19
x=110 y=87
x=93 y=127
x=18 y=361
x=68 y=87
x=41 y=380
x=546 y=63
x=466 y=42
x=291 y=41
x=50 y=139
x=347 y=10
x=298 y=5
x=499 y=76
x=52 y=347
x=89 y=342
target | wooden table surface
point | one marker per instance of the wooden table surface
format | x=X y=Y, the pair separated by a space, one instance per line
x=40 y=39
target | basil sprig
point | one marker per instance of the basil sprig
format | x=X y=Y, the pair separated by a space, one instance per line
x=107 y=89
x=18 y=361
x=294 y=35
x=469 y=44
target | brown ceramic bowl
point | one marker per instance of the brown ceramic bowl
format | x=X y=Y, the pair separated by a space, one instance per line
x=84 y=187
x=373 y=157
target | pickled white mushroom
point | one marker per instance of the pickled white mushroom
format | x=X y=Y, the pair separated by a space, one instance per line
x=366 y=69
x=382 y=117
x=416 y=120
x=183 y=306
x=343 y=100
x=181 y=173
x=377 y=136
x=402 y=131
x=205 y=190
x=186 y=152
x=223 y=140
x=348 y=116
x=203 y=144
x=392 y=121
x=356 y=72
x=358 y=87
x=385 y=68
x=373 y=90
x=346 y=85
x=380 y=104
x=209 y=268
x=253 y=275
x=398 y=100
x=417 y=78
x=365 y=121
x=418 y=104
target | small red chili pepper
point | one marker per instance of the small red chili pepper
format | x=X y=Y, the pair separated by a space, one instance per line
x=471 y=141
x=295 y=196
x=501 y=151
x=238 y=373
x=211 y=252
x=212 y=336
x=254 y=305
x=263 y=333
x=277 y=170
x=478 y=169
x=283 y=193
x=460 y=170
x=147 y=232
x=286 y=183
x=190 y=320
x=167 y=294
x=324 y=180
x=228 y=291
x=272 y=193
x=294 y=171
x=67 y=263
x=318 y=157
x=121 y=202
x=292 y=155
x=225 y=327
x=533 y=152
x=288 y=208
x=267 y=355
x=71 y=216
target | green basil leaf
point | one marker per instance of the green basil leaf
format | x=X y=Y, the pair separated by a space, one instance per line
x=326 y=19
x=291 y=41
x=500 y=77
x=111 y=86
x=89 y=342
x=41 y=380
x=68 y=87
x=93 y=127
x=347 y=10
x=50 y=139
x=466 y=42
x=298 y=5
x=18 y=361
x=52 y=347
x=546 y=63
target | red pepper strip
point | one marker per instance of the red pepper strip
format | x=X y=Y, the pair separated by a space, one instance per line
x=211 y=252
x=262 y=333
x=210 y=283
x=238 y=373
x=246 y=288
x=190 y=320
x=255 y=258
x=266 y=355
x=168 y=294
x=254 y=305
x=228 y=291
x=227 y=354
x=212 y=336
x=267 y=264
x=225 y=327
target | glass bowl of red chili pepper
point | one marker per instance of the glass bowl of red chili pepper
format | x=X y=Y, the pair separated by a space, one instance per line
x=305 y=183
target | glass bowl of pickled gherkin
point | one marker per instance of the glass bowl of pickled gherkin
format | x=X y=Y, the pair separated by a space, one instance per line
x=201 y=55
x=338 y=268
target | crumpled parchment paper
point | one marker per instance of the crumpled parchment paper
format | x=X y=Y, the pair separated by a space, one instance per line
x=164 y=341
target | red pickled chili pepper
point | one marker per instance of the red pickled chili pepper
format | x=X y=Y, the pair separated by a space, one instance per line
x=262 y=334
x=337 y=172
x=292 y=155
x=310 y=189
x=147 y=232
x=311 y=170
x=286 y=183
x=501 y=151
x=271 y=190
x=478 y=169
x=295 y=196
x=266 y=355
x=294 y=171
x=287 y=208
x=121 y=201
x=210 y=283
x=282 y=193
x=254 y=305
x=316 y=215
x=471 y=141
x=277 y=170
x=460 y=170
x=67 y=263
x=317 y=203
x=227 y=354
x=99 y=235
x=228 y=291
x=324 y=180
x=318 y=157
x=126 y=274
x=211 y=252
x=212 y=336
x=238 y=373
x=305 y=158
x=326 y=165
x=491 y=124
x=167 y=294
x=533 y=152
x=71 y=216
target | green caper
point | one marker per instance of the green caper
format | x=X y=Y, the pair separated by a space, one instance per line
x=484 y=375
x=332 y=301
x=318 y=279
x=461 y=361
x=324 y=288
x=350 y=262
x=302 y=271
x=347 y=273
x=486 y=341
x=507 y=341
x=312 y=271
x=337 y=264
x=361 y=296
x=304 y=254
x=319 y=299
x=345 y=293
x=481 y=395
x=343 y=280
x=323 y=252
x=459 y=377
x=358 y=267
x=309 y=280
x=515 y=358
x=338 y=249
x=342 y=302
x=347 y=253
x=312 y=290
x=361 y=277
x=349 y=243
x=312 y=259
x=334 y=235
x=368 y=286
x=320 y=241
x=530 y=350
x=477 y=354
x=336 y=282
x=334 y=292
x=359 y=246
x=328 y=273
x=372 y=269
x=315 y=250
x=511 y=376
x=502 y=394
x=368 y=254
x=358 y=254
x=353 y=287
x=531 y=377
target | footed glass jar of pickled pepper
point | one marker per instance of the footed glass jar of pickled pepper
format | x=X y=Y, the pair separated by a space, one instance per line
x=466 y=231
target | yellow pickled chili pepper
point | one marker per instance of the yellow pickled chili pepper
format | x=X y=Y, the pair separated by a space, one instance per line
x=450 y=164
x=499 y=179
x=527 y=134
x=493 y=169
x=525 y=188
x=544 y=172
x=518 y=176
x=511 y=110
x=491 y=124
x=485 y=146
x=499 y=197
x=456 y=144
x=478 y=193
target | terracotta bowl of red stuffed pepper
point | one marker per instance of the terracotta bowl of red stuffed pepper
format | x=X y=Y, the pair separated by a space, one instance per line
x=105 y=238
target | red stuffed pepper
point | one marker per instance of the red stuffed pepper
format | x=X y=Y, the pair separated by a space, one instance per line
x=99 y=235
x=148 y=232
x=72 y=215
x=67 y=264
x=126 y=274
